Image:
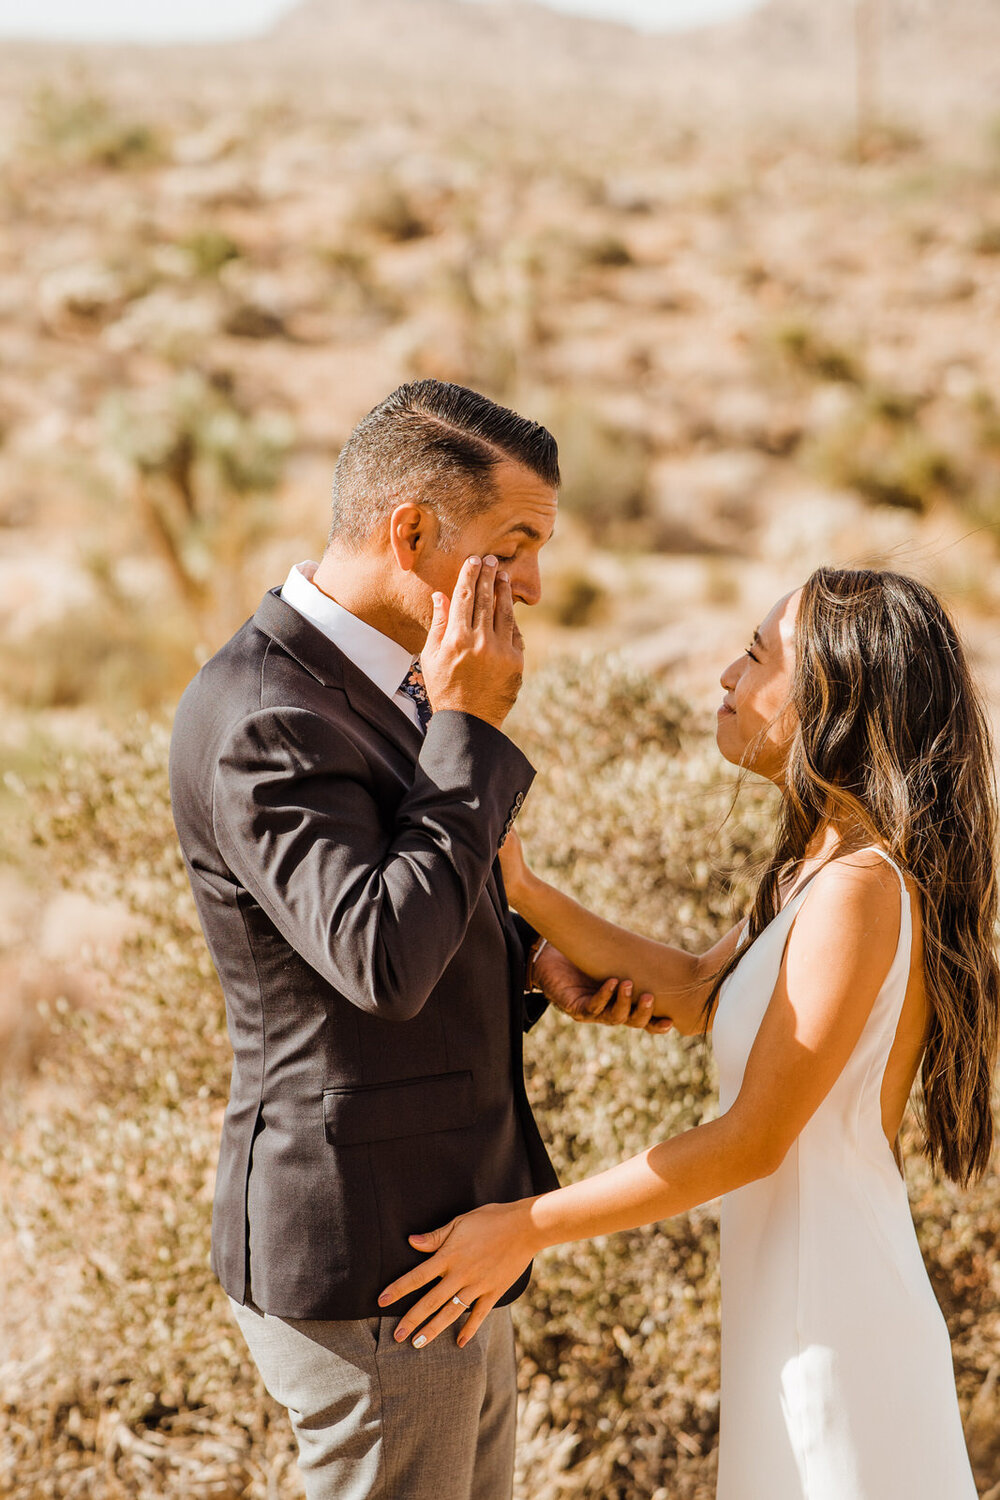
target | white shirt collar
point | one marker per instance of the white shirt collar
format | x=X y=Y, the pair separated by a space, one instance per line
x=384 y=661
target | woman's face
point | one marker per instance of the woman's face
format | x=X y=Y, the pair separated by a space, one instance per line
x=756 y=721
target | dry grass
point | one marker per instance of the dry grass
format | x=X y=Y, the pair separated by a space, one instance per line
x=122 y=1374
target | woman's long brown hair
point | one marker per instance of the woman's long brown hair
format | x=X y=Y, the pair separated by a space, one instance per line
x=893 y=742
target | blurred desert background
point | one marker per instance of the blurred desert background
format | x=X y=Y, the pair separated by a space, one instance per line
x=749 y=274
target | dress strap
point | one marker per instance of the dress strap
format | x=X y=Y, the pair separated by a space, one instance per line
x=874 y=849
x=905 y=913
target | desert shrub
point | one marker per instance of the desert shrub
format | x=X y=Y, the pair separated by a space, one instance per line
x=808 y=350
x=880 y=449
x=386 y=210
x=478 y=322
x=992 y=138
x=81 y=128
x=883 y=140
x=122 y=1374
x=908 y=478
x=355 y=286
x=606 y=470
x=574 y=598
x=209 y=250
x=986 y=240
x=253 y=320
x=345 y=260
x=111 y=655
x=605 y=250
x=986 y=413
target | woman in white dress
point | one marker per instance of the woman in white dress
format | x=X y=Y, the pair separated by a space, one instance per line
x=867 y=959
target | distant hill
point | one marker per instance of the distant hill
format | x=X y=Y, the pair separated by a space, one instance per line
x=936 y=63
x=496 y=42
x=507 y=23
x=935 y=57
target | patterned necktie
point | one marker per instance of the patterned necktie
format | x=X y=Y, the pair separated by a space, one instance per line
x=413 y=686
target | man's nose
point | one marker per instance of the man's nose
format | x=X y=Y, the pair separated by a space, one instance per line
x=526 y=583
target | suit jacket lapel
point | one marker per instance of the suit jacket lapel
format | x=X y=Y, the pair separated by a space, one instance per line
x=328 y=664
x=384 y=715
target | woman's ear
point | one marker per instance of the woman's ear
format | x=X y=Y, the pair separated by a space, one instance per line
x=412 y=534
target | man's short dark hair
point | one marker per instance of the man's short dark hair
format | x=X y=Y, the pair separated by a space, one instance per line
x=437 y=445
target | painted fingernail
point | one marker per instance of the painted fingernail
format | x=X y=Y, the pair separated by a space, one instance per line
x=401 y=1335
x=383 y=1300
x=474 y=561
x=461 y=1343
x=503 y=576
x=490 y=561
x=419 y=1341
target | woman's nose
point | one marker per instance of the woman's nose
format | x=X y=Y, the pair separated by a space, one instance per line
x=730 y=676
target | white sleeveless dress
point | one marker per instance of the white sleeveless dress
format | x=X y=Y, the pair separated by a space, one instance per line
x=837 y=1377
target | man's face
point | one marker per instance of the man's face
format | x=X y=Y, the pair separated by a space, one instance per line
x=514 y=530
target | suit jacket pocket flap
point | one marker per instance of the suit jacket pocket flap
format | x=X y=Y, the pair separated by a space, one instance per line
x=389 y=1111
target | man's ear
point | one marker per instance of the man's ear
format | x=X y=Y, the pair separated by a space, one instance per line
x=412 y=534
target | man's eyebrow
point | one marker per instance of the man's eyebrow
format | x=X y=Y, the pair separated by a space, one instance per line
x=529 y=531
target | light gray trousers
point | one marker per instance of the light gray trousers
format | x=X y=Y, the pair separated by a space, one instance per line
x=377 y=1420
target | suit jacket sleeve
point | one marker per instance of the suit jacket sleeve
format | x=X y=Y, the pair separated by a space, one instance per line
x=378 y=914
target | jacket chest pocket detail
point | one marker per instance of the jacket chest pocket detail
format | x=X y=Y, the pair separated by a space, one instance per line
x=390 y=1111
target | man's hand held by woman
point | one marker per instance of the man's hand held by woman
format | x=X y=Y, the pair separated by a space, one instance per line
x=611 y=1003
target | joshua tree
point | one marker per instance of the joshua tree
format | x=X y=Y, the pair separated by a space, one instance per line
x=201 y=472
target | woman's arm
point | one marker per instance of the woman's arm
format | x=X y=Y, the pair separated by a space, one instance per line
x=842 y=944
x=680 y=981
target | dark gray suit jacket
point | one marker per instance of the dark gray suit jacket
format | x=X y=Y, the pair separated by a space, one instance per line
x=344 y=868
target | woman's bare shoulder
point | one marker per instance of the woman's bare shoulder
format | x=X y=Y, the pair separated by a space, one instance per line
x=858 y=891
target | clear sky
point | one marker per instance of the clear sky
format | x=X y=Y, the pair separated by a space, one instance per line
x=193 y=19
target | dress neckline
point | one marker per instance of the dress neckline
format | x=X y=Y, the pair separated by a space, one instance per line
x=797 y=890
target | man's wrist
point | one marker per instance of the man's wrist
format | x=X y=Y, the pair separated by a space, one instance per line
x=495 y=718
x=531 y=978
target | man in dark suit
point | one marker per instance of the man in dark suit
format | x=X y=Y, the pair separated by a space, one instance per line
x=340 y=805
